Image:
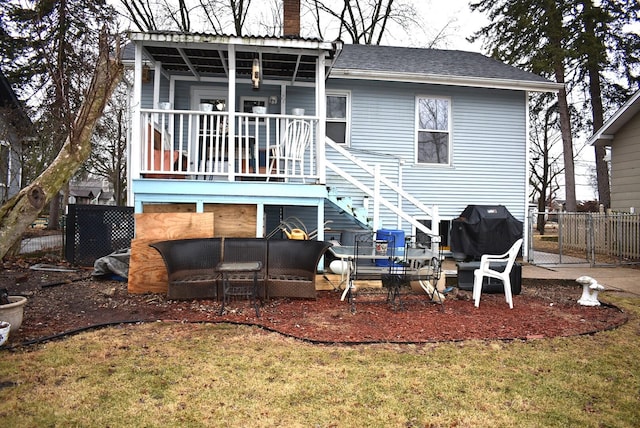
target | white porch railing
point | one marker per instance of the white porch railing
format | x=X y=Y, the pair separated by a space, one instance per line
x=375 y=193
x=198 y=145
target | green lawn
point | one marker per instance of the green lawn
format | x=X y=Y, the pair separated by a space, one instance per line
x=161 y=374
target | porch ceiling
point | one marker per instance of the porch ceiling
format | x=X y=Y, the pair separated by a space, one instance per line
x=214 y=62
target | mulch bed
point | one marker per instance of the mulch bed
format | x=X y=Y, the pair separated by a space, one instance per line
x=61 y=303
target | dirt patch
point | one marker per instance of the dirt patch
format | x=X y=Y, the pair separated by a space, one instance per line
x=61 y=302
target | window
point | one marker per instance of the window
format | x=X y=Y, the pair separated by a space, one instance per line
x=433 y=123
x=248 y=103
x=338 y=106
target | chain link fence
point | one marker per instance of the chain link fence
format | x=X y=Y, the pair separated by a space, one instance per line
x=596 y=239
x=40 y=241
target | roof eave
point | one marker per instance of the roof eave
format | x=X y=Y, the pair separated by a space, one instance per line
x=607 y=132
x=275 y=42
x=522 y=85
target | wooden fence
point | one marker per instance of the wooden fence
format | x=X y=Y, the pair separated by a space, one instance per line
x=614 y=235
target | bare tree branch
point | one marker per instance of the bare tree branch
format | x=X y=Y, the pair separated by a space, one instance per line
x=21 y=210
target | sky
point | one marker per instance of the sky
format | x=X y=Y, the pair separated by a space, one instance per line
x=437 y=12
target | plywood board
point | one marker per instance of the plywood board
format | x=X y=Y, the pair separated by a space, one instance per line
x=238 y=221
x=163 y=226
x=169 y=208
x=147 y=273
x=231 y=220
x=159 y=222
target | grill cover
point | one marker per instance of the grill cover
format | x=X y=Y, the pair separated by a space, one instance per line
x=484 y=229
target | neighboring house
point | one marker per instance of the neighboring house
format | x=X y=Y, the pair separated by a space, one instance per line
x=400 y=138
x=91 y=192
x=14 y=128
x=621 y=132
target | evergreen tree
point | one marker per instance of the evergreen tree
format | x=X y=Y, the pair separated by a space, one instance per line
x=605 y=47
x=530 y=34
x=593 y=44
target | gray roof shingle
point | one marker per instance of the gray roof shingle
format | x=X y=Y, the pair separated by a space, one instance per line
x=434 y=62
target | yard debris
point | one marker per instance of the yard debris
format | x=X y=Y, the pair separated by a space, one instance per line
x=109 y=292
x=113 y=266
x=50 y=268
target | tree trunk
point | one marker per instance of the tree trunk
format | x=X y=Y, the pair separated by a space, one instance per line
x=544 y=182
x=597 y=111
x=54 y=214
x=21 y=210
x=555 y=31
x=567 y=144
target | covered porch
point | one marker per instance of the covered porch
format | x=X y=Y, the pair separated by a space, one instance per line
x=226 y=109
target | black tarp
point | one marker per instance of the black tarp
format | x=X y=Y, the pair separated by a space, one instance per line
x=484 y=229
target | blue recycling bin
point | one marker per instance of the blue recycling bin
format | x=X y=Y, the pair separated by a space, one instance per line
x=395 y=245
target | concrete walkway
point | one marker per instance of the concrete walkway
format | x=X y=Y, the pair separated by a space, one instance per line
x=614 y=278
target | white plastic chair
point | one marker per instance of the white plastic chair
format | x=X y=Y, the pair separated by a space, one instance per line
x=290 y=151
x=485 y=270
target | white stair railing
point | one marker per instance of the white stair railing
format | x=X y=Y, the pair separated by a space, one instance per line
x=375 y=193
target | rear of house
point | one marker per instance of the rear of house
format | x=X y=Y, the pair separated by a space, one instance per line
x=400 y=138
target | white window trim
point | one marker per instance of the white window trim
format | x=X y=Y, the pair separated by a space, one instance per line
x=417 y=129
x=264 y=100
x=197 y=93
x=347 y=131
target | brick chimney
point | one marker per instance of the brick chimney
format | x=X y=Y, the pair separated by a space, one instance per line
x=291 y=18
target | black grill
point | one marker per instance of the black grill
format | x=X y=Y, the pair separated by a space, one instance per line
x=483 y=229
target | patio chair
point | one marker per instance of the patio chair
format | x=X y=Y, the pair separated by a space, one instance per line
x=289 y=153
x=485 y=270
x=191 y=267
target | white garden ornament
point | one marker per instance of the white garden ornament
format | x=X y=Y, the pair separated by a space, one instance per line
x=590 y=290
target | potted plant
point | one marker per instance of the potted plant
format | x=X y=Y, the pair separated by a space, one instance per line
x=12 y=309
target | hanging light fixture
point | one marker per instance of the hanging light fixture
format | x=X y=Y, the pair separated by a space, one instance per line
x=146 y=71
x=255 y=74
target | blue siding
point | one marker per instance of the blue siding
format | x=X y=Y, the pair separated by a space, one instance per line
x=301 y=97
x=488 y=144
x=147 y=91
x=488 y=141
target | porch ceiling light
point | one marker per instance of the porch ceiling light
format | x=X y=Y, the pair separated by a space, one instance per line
x=255 y=73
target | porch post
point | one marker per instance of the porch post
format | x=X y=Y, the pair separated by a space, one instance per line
x=157 y=70
x=321 y=111
x=231 y=109
x=320 y=234
x=260 y=220
x=320 y=216
x=136 y=139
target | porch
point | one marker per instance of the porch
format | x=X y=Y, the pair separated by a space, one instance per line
x=219 y=120
x=219 y=108
x=208 y=145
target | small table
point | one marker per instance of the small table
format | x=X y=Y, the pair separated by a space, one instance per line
x=246 y=287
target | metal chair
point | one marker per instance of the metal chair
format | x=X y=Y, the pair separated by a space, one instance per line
x=289 y=153
x=485 y=270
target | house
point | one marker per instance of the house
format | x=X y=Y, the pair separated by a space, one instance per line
x=94 y=192
x=621 y=133
x=398 y=138
x=14 y=128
